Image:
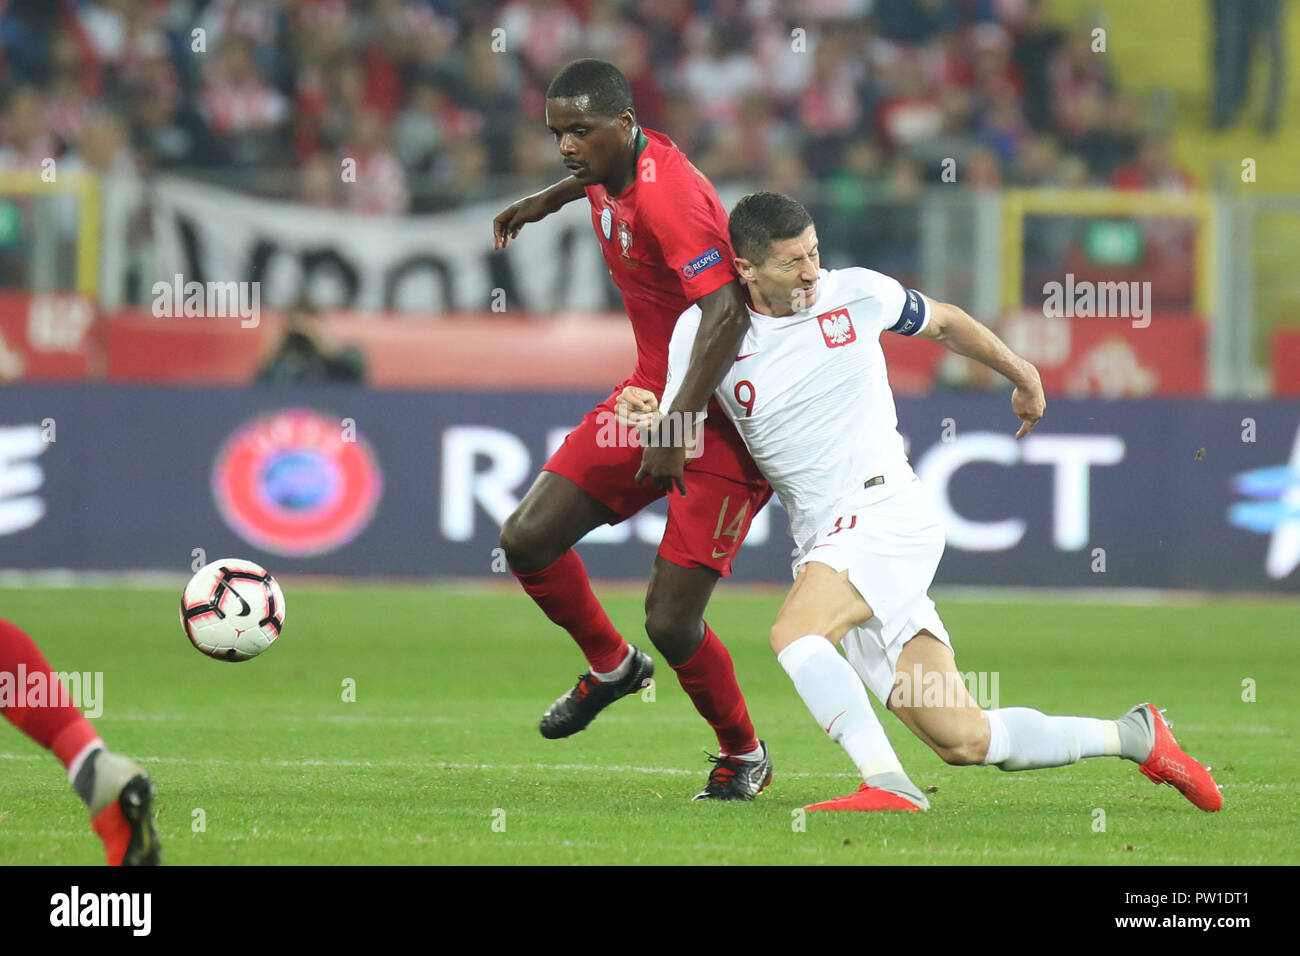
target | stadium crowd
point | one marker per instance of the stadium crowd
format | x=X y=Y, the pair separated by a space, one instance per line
x=437 y=101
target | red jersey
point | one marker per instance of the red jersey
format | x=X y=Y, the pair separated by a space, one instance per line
x=666 y=242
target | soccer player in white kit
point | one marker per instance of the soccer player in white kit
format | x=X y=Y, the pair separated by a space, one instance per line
x=810 y=396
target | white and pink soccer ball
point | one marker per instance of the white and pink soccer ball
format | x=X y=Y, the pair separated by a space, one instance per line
x=232 y=609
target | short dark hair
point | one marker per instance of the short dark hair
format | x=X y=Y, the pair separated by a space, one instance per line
x=605 y=86
x=760 y=219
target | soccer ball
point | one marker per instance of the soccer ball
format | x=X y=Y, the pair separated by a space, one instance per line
x=232 y=609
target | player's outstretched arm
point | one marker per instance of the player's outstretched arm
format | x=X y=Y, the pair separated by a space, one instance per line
x=953 y=328
x=533 y=208
x=723 y=323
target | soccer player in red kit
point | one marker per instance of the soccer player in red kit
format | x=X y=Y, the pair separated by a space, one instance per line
x=663 y=232
x=117 y=791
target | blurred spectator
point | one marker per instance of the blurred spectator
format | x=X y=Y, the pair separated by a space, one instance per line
x=320 y=183
x=1003 y=130
x=443 y=98
x=241 y=107
x=1105 y=136
x=547 y=32
x=1040 y=39
x=417 y=134
x=829 y=108
x=912 y=111
x=25 y=141
x=103 y=27
x=488 y=90
x=534 y=156
x=380 y=187
x=911 y=21
x=719 y=72
x=728 y=156
x=308 y=355
x=1168 y=243
x=1089 y=139
x=1240 y=27
x=102 y=148
x=467 y=170
x=633 y=57
x=785 y=173
x=1077 y=76
x=1040 y=163
x=983 y=171
x=1155 y=168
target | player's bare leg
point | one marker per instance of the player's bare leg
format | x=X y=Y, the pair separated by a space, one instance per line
x=820 y=609
x=554 y=516
x=954 y=727
x=674 y=606
x=942 y=713
x=538 y=540
x=674 y=609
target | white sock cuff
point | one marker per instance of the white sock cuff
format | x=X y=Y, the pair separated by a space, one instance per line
x=797 y=653
x=74 y=765
x=619 y=672
x=885 y=763
x=999 y=739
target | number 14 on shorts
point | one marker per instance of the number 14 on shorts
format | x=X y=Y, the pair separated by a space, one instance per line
x=733 y=530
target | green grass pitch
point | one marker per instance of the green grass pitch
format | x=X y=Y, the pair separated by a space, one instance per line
x=438 y=759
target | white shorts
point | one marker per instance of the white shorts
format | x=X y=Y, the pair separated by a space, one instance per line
x=890 y=544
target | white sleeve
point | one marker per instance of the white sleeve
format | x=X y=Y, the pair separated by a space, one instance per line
x=903 y=311
x=679 y=355
x=911 y=313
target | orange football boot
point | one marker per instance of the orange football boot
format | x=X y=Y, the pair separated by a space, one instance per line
x=867 y=798
x=1167 y=763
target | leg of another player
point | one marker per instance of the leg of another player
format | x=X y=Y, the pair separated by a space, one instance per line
x=538 y=540
x=820 y=609
x=674 y=620
x=931 y=698
x=117 y=792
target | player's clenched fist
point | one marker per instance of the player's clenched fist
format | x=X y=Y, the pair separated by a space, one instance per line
x=637 y=408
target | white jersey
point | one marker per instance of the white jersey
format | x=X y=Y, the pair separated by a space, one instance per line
x=810 y=395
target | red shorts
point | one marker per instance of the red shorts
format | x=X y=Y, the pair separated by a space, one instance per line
x=724 y=489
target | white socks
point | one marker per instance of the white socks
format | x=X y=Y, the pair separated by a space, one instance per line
x=619 y=672
x=834 y=694
x=754 y=756
x=1019 y=738
x=1024 y=739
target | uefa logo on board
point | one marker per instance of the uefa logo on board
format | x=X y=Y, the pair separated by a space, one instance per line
x=296 y=483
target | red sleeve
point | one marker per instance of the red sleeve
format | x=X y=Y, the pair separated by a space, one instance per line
x=689 y=223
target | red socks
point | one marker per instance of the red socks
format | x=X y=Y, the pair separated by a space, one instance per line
x=62 y=729
x=563 y=592
x=709 y=678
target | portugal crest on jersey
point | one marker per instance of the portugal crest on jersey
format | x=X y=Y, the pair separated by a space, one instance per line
x=625 y=238
x=837 y=328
